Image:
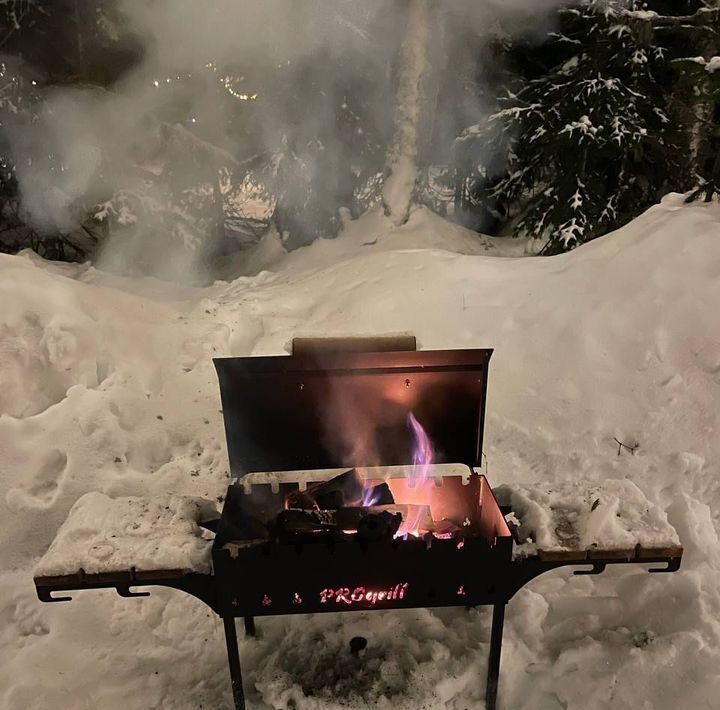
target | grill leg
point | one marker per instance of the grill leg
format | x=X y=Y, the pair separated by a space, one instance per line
x=249 y=625
x=494 y=659
x=234 y=662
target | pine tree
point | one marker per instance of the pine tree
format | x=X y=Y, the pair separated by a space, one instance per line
x=586 y=139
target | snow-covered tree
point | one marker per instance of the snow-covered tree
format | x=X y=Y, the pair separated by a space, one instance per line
x=587 y=139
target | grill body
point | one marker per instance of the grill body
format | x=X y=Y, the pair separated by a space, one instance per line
x=274 y=577
x=336 y=404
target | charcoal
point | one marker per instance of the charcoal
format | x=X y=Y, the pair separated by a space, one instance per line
x=301 y=500
x=330 y=500
x=375 y=523
x=306 y=521
x=448 y=527
x=378 y=526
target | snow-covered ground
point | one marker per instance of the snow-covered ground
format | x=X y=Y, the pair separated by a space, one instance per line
x=106 y=385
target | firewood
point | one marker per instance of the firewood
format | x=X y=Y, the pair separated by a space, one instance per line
x=344 y=489
x=374 y=522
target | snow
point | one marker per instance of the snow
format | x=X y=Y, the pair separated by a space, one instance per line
x=710 y=65
x=713 y=64
x=612 y=514
x=583 y=124
x=641 y=14
x=103 y=534
x=107 y=386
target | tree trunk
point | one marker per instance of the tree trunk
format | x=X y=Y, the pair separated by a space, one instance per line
x=414 y=107
x=691 y=107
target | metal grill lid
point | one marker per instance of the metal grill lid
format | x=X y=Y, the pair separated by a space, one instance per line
x=336 y=405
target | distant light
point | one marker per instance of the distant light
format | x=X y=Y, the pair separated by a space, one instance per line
x=156 y=82
x=194 y=120
x=33 y=82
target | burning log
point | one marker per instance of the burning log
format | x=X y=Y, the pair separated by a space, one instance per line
x=314 y=521
x=370 y=523
x=328 y=495
x=346 y=489
x=354 y=519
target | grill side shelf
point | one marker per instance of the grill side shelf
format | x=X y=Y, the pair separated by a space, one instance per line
x=201 y=586
x=526 y=569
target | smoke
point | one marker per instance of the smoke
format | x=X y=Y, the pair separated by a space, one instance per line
x=286 y=64
x=185 y=34
x=60 y=156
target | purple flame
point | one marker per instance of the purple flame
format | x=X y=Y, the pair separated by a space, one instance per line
x=422 y=451
x=371 y=495
x=423 y=457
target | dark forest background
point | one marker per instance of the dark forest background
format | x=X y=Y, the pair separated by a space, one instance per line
x=563 y=133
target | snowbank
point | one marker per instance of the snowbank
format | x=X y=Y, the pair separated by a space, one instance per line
x=106 y=385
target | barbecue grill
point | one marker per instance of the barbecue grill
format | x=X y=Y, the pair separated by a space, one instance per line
x=315 y=440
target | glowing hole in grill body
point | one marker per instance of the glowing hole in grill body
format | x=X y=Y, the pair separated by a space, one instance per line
x=344 y=596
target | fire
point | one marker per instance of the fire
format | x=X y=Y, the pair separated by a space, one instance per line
x=423 y=457
x=392 y=507
x=371 y=495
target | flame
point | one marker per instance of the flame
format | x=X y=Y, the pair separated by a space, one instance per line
x=423 y=454
x=370 y=496
x=423 y=457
